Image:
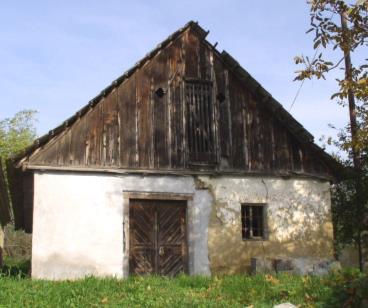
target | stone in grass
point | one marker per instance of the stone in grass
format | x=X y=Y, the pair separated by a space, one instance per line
x=308 y=266
x=285 y=305
x=260 y=265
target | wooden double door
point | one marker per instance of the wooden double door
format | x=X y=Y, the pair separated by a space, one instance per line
x=158 y=239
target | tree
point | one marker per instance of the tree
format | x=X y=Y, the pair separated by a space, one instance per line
x=16 y=133
x=346 y=215
x=338 y=25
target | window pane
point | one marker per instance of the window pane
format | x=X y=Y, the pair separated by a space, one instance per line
x=245 y=221
x=257 y=221
x=252 y=221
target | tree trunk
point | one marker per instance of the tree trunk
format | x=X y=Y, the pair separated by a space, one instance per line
x=354 y=131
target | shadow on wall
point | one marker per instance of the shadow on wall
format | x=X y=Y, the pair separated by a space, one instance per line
x=59 y=267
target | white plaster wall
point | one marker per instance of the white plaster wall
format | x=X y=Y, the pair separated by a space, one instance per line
x=77 y=226
x=78 y=222
x=78 y=219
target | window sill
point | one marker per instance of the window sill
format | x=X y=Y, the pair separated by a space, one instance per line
x=255 y=239
x=210 y=163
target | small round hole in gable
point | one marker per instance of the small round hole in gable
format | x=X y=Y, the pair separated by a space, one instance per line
x=160 y=92
x=221 y=97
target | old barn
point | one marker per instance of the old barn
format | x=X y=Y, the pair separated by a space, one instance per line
x=185 y=163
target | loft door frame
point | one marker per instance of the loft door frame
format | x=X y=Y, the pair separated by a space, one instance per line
x=131 y=195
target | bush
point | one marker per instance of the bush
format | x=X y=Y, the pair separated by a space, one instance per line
x=16 y=268
x=18 y=244
x=349 y=289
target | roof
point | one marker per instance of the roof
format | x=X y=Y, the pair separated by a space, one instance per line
x=264 y=97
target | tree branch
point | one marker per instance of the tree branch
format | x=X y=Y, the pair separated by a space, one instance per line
x=336 y=65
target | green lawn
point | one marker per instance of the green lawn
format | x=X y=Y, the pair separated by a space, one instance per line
x=335 y=290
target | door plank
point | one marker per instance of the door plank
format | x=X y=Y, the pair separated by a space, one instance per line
x=171 y=238
x=142 y=239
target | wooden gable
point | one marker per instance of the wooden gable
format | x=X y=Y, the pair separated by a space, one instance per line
x=160 y=118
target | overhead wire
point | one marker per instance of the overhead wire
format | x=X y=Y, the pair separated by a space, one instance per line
x=302 y=83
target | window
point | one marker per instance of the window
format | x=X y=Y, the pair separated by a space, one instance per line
x=252 y=216
x=200 y=123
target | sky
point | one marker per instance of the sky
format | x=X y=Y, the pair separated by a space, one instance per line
x=57 y=55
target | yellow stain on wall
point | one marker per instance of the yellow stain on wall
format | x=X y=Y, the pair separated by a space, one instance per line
x=298 y=221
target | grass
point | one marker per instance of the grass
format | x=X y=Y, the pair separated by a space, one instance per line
x=336 y=290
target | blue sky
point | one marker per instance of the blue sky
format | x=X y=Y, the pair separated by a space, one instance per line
x=57 y=55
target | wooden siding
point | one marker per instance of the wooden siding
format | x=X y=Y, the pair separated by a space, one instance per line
x=21 y=193
x=4 y=200
x=134 y=128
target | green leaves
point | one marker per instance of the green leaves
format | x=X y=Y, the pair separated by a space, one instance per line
x=316 y=44
x=17 y=132
x=317 y=67
x=330 y=37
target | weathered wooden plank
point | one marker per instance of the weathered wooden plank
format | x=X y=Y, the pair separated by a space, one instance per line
x=4 y=199
x=177 y=67
x=237 y=122
x=254 y=146
x=95 y=136
x=286 y=150
x=277 y=135
x=266 y=121
x=204 y=65
x=191 y=55
x=143 y=84
x=273 y=145
x=176 y=125
x=296 y=159
x=77 y=154
x=227 y=127
x=160 y=80
x=281 y=146
x=127 y=112
x=110 y=130
x=307 y=160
